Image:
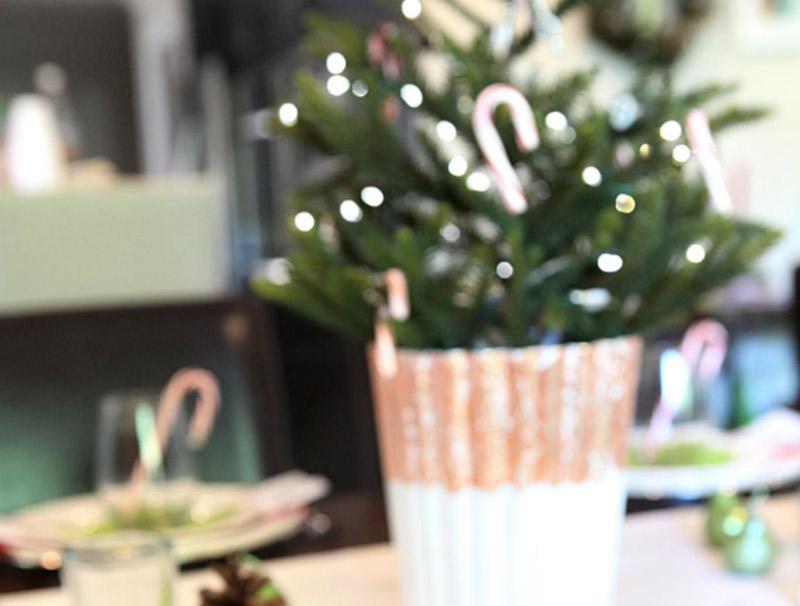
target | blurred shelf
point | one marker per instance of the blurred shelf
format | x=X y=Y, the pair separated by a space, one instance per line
x=134 y=242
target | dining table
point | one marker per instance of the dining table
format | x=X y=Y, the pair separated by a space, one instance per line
x=665 y=561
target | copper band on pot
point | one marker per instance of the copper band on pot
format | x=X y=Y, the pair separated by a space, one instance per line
x=486 y=418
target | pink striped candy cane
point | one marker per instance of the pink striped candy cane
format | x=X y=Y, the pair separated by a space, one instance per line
x=698 y=130
x=491 y=144
x=398 y=307
x=397 y=294
x=172 y=398
x=704 y=348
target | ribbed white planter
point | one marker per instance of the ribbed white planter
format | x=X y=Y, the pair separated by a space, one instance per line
x=503 y=471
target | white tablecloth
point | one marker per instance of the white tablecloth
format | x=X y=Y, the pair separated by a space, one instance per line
x=664 y=563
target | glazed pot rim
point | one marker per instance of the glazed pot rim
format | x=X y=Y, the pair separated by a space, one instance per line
x=633 y=338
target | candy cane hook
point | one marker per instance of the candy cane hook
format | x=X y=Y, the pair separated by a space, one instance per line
x=172 y=398
x=698 y=130
x=491 y=144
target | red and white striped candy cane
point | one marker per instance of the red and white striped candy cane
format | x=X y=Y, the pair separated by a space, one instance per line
x=380 y=53
x=398 y=307
x=491 y=144
x=698 y=130
x=172 y=398
x=704 y=348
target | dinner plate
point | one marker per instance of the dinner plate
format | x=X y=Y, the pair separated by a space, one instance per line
x=766 y=454
x=254 y=516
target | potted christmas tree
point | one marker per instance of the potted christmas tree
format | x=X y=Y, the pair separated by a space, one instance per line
x=535 y=235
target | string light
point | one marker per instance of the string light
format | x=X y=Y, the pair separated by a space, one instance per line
x=458 y=166
x=479 y=181
x=360 y=89
x=592 y=176
x=288 y=114
x=304 y=221
x=450 y=232
x=556 y=121
x=336 y=63
x=645 y=150
x=593 y=299
x=505 y=270
x=681 y=154
x=625 y=204
x=696 y=253
x=610 y=263
x=412 y=9
x=350 y=211
x=671 y=130
x=412 y=95
x=446 y=131
x=372 y=196
x=277 y=271
x=338 y=85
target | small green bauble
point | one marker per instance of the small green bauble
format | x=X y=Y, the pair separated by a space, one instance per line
x=753 y=551
x=727 y=516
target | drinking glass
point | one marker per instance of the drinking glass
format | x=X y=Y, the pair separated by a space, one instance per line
x=126 y=569
x=126 y=437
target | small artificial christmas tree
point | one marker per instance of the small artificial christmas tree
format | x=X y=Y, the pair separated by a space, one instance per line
x=619 y=236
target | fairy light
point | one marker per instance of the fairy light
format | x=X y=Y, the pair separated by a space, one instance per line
x=351 y=211
x=360 y=89
x=288 y=114
x=556 y=121
x=505 y=270
x=372 y=196
x=277 y=271
x=645 y=150
x=610 y=263
x=336 y=63
x=593 y=299
x=304 y=221
x=696 y=253
x=458 y=166
x=479 y=181
x=412 y=9
x=625 y=204
x=450 y=233
x=412 y=95
x=671 y=130
x=446 y=131
x=338 y=85
x=592 y=176
x=681 y=154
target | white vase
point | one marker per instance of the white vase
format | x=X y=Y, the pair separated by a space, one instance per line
x=503 y=471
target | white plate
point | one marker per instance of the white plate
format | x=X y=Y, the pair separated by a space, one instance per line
x=766 y=455
x=262 y=514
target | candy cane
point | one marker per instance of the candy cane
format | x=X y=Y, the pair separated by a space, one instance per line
x=698 y=130
x=172 y=398
x=380 y=53
x=703 y=348
x=491 y=144
x=398 y=307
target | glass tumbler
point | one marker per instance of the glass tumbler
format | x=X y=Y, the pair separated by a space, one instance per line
x=126 y=438
x=126 y=569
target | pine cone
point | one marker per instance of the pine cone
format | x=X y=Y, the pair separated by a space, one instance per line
x=243 y=587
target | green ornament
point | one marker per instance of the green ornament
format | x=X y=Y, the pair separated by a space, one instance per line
x=753 y=551
x=726 y=519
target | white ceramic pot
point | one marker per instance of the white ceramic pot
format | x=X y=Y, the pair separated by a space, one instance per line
x=503 y=470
